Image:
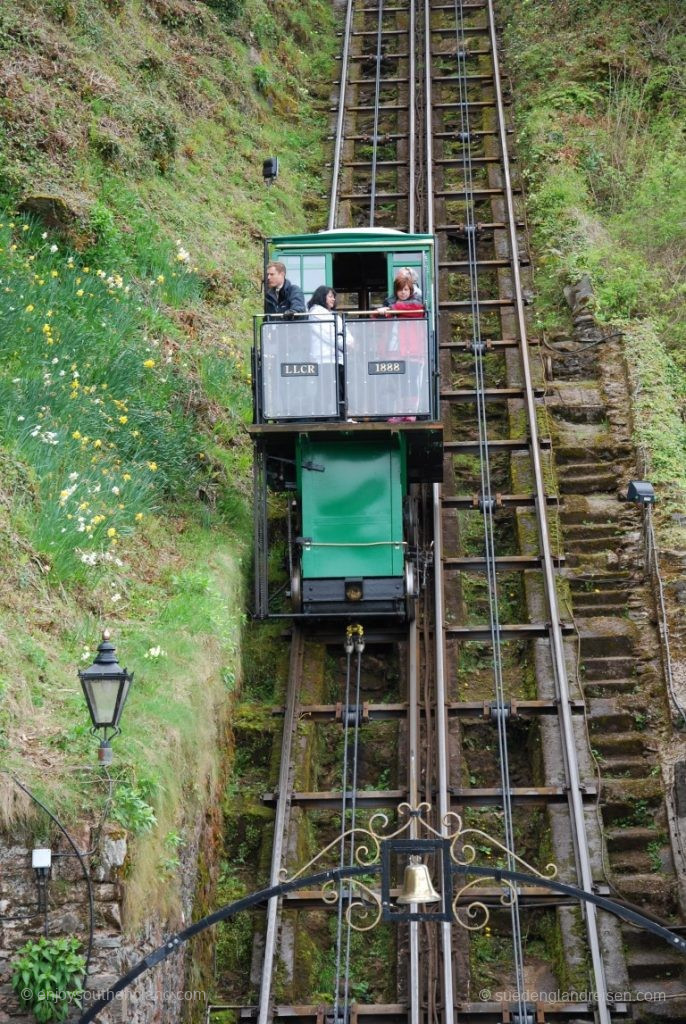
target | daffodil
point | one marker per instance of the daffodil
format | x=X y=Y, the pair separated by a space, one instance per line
x=148 y=364
x=111 y=532
x=97 y=443
x=152 y=466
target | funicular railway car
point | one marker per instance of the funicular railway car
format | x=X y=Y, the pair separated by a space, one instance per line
x=345 y=422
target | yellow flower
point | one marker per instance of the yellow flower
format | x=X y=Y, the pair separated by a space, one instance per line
x=97 y=443
x=111 y=532
x=123 y=419
x=79 y=292
x=152 y=466
x=135 y=433
x=86 y=270
x=138 y=517
x=76 y=435
x=148 y=364
x=160 y=278
x=64 y=495
x=84 y=505
x=46 y=328
x=53 y=273
x=29 y=308
x=126 y=476
x=25 y=227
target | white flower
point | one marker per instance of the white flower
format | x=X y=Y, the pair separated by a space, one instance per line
x=55 y=360
x=73 y=477
x=16 y=380
x=115 y=598
x=154 y=653
x=21 y=418
x=85 y=653
x=115 y=490
x=53 y=248
x=89 y=558
x=44 y=235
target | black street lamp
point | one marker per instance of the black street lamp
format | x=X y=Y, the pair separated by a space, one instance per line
x=105 y=686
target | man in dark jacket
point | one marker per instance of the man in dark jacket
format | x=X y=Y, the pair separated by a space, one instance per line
x=282 y=296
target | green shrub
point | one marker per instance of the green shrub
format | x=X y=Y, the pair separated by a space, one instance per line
x=131 y=809
x=229 y=9
x=47 y=977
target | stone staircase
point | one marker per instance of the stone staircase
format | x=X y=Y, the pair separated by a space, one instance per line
x=619 y=659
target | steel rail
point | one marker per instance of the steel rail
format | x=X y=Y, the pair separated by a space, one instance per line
x=559 y=667
x=441 y=716
x=281 y=818
x=338 y=142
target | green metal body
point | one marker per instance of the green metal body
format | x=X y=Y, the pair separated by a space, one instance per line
x=352 y=512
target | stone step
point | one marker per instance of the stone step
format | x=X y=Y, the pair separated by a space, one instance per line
x=603 y=452
x=654 y=892
x=608 y=687
x=599 y=596
x=629 y=837
x=588 y=611
x=615 y=743
x=597 y=482
x=613 y=667
x=605 y=715
x=625 y=767
x=657 y=962
x=631 y=862
x=600 y=543
x=606 y=643
x=586 y=529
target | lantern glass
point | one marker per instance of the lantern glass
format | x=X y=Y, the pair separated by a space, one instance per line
x=106 y=698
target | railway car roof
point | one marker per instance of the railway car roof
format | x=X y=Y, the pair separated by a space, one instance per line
x=339 y=238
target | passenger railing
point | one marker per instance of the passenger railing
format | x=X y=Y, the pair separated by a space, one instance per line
x=350 y=367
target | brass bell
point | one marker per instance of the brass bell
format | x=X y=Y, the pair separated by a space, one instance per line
x=417 y=884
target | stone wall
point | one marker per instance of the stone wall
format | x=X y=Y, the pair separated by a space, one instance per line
x=159 y=996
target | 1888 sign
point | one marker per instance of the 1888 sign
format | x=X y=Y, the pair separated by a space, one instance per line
x=386 y=366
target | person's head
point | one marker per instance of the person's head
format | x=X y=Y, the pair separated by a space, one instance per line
x=323 y=296
x=276 y=274
x=403 y=286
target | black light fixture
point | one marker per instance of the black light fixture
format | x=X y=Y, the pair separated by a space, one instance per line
x=270 y=169
x=105 y=686
x=640 y=491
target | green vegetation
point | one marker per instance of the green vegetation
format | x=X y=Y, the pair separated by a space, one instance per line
x=132 y=209
x=47 y=977
x=600 y=115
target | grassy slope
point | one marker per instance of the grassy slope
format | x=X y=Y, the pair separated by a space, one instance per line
x=123 y=456
x=601 y=103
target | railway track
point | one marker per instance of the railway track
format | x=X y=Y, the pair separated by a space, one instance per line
x=471 y=706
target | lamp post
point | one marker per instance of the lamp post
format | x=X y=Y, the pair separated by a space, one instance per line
x=105 y=686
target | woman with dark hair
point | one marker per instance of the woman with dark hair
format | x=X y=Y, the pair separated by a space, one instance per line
x=327 y=338
x=324 y=298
